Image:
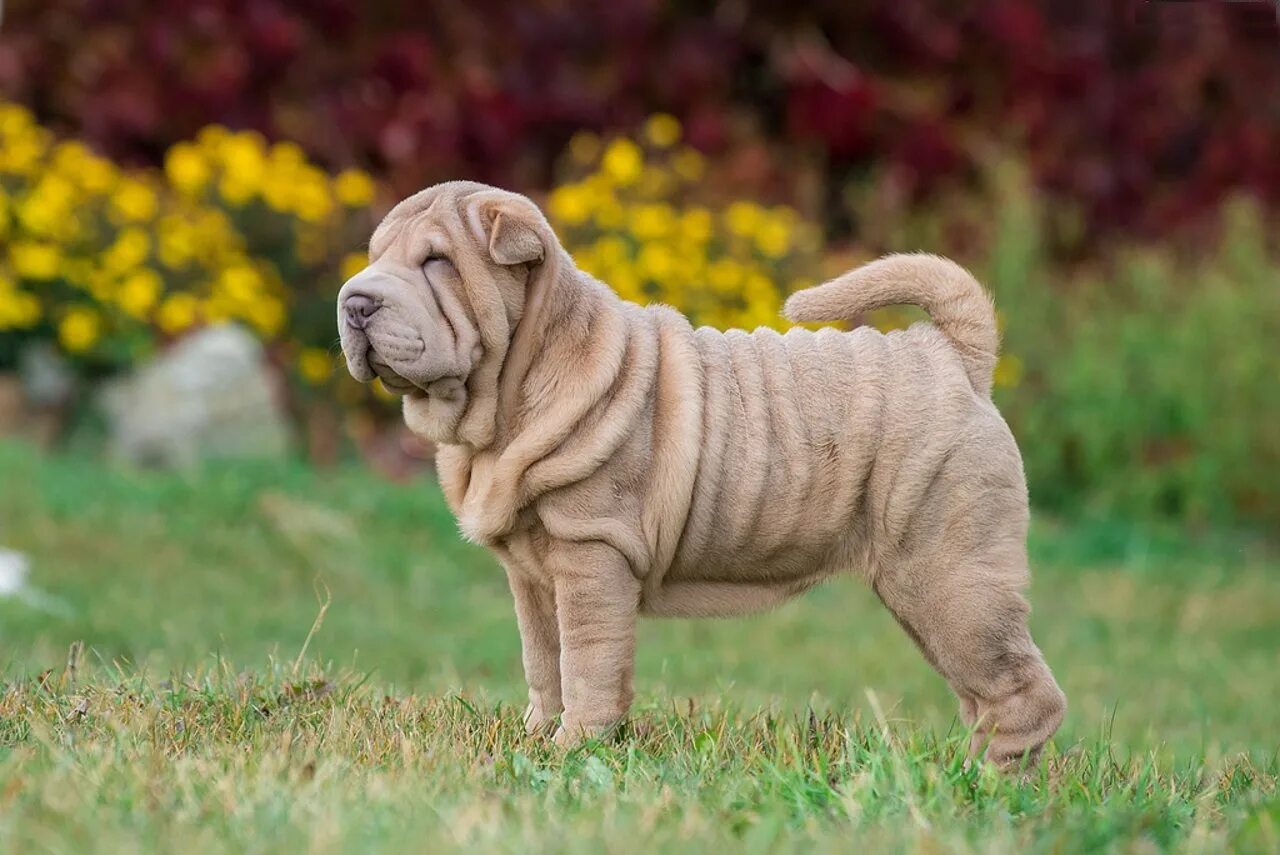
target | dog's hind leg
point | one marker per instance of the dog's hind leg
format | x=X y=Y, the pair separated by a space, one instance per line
x=969 y=617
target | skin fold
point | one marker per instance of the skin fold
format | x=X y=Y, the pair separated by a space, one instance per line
x=619 y=462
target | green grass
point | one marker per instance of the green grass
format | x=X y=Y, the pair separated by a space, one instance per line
x=199 y=716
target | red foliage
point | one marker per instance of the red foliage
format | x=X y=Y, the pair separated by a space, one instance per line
x=1145 y=114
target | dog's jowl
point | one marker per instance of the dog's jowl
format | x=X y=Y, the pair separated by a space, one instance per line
x=620 y=462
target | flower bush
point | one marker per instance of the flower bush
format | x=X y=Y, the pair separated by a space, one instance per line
x=1117 y=405
x=1133 y=116
x=632 y=216
x=110 y=262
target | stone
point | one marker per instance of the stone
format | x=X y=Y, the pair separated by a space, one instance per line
x=36 y=399
x=212 y=395
x=47 y=379
x=14 y=568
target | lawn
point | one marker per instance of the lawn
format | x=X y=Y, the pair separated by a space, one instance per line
x=276 y=658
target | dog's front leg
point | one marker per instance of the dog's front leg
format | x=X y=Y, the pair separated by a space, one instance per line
x=540 y=646
x=597 y=600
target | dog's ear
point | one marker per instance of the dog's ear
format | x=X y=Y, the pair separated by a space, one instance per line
x=516 y=229
x=513 y=240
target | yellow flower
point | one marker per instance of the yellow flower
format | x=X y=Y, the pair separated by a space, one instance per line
x=139 y=291
x=286 y=154
x=244 y=161
x=235 y=191
x=743 y=218
x=47 y=210
x=354 y=188
x=177 y=313
x=758 y=288
x=80 y=329
x=662 y=129
x=611 y=250
x=186 y=168
x=217 y=309
x=267 y=315
x=68 y=156
x=244 y=155
x=609 y=213
x=652 y=221
x=688 y=164
x=696 y=225
x=277 y=190
x=628 y=285
x=656 y=261
x=315 y=365
x=569 y=204
x=584 y=147
x=312 y=201
x=773 y=237
x=211 y=139
x=133 y=201
x=78 y=164
x=100 y=285
x=129 y=250
x=353 y=263
x=22 y=141
x=724 y=274
x=655 y=183
x=18 y=309
x=15 y=120
x=623 y=161
x=97 y=175
x=214 y=236
x=589 y=262
x=240 y=284
x=176 y=242
x=31 y=260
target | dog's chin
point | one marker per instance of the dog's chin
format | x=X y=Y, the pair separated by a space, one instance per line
x=434 y=412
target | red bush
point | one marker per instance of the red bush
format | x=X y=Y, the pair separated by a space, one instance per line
x=1145 y=114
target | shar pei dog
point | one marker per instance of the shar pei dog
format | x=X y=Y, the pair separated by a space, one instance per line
x=620 y=462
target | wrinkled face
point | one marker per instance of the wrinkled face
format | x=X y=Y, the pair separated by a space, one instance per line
x=445 y=285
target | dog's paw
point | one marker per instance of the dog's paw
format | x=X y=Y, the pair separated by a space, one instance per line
x=538 y=719
x=572 y=733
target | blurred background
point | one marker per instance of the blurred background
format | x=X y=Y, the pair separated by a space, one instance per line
x=184 y=187
x=1111 y=170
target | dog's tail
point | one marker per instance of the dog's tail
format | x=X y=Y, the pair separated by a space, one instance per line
x=954 y=300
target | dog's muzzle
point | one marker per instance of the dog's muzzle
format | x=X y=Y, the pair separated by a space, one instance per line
x=389 y=332
x=357 y=309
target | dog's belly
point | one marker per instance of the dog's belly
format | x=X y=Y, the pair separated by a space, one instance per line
x=813 y=447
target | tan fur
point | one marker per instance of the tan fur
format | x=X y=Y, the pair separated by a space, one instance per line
x=620 y=462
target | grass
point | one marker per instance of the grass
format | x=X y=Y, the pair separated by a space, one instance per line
x=219 y=704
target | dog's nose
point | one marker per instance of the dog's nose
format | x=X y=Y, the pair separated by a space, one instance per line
x=358 y=308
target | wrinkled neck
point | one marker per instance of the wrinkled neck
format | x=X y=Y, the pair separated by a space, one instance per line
x=565 y=311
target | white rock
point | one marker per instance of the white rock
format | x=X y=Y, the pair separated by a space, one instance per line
x=208 y=396
x=14 y=569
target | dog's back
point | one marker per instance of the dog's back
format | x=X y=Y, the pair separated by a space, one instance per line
x=819 y=450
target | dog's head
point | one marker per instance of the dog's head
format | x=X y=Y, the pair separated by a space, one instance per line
x=450 y=273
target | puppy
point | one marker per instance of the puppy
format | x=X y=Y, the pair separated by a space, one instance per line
x=619 y=462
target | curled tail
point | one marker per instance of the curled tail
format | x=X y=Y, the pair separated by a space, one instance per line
x=955 y=301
